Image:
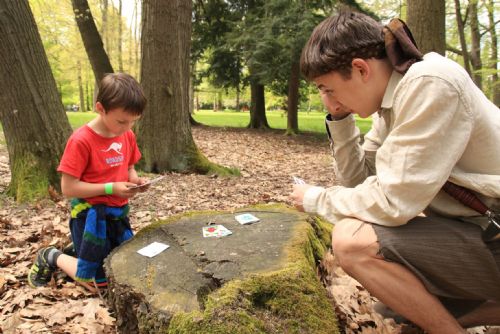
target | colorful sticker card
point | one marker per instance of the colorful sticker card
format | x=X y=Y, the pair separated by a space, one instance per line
x=215 y=231
x=246 y=218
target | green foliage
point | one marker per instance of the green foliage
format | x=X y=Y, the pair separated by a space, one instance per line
x=63 y=45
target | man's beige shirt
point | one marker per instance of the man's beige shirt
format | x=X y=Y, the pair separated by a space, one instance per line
x=434 y=125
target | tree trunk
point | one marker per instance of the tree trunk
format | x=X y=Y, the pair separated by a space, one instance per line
x=32 y=116
x=137 y=34
x=461 y=34
x=475 y=45
x=80 y=86
x=238 y=98
x=426 y=20
x=120 y=37
x=89 y=96
x=104 y=28
x=258 y=118
x=91 y=39
x=293 y=99
x=495 y=86
x=164 y=132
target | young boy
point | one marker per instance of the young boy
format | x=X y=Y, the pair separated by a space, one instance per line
x=97 y=171
x=430 y=124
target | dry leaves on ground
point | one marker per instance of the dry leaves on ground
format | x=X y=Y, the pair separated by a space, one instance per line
x=267 y=161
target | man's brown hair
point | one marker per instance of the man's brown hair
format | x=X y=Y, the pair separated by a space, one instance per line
x=339 y=39
x=121 y=90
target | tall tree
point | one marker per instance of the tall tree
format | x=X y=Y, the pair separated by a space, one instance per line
x=91 y=39
x=31 y=112
x=120 y=37
x=461 y=33
x=475 y=52
x=426 y=20
x=495 y=84
x=164 y=132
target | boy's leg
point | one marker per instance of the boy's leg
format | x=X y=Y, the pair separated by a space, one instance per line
x=68 y=264
x=43 y=267
x=356 y=248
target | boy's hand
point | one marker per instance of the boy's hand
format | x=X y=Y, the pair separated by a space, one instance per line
x=122 y=189
x=297 y=195
x=142 y=180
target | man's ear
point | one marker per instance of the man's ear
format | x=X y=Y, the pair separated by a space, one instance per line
x=362 y=67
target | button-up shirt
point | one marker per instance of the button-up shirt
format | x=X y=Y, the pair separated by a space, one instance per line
x=434 y=125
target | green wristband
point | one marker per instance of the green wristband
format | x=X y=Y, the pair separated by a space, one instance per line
x=108 y=188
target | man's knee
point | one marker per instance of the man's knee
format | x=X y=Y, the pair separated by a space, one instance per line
x=353 y=242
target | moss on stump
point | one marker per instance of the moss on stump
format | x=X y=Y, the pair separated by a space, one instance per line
x=260 y=279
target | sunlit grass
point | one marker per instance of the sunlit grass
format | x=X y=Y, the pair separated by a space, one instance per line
x=308 y=122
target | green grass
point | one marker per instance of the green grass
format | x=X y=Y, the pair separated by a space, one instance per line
x=308 y=122
x=77 y=119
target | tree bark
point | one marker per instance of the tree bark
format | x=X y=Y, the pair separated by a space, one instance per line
x=475 y=45
x=31 y=113
x=137 y=36
x=426 y=20
x=91 y=39
x=164 y=132
x=258 y=118
x=461 y=34
x=495 y=86
x=104 y=27
x=120 y=37
x=80 y=86
x=293 y=99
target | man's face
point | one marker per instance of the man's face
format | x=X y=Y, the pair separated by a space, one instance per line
x=341 y=96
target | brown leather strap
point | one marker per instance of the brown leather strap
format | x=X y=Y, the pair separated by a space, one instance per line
x=465 y=196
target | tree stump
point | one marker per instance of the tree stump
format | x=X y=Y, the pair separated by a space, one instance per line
x=260 y=279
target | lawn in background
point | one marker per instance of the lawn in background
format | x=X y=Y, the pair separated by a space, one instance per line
x=77 y=119
x=308 y=122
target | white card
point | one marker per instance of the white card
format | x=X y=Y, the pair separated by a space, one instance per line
x=246 y=218
x=153 y=249
x=298 y=180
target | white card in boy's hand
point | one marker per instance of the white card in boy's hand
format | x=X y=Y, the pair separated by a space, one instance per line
x=215 y=231
x=156 y=179
x=153 y=249
x=298 y=180
x=246 y=218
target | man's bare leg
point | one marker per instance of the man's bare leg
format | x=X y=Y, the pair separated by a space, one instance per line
x=488 y=314
x=356 y=248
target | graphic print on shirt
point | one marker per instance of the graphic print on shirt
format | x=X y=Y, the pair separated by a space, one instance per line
x=115 y=160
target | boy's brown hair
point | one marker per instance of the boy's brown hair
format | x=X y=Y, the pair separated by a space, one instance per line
x=121 y=90
x=339 y=39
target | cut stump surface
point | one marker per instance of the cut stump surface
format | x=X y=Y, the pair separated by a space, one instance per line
x=259 y=279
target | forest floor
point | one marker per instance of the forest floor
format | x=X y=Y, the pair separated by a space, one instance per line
x=267 y=161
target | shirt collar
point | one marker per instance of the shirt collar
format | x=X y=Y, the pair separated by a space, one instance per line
x=389 y=91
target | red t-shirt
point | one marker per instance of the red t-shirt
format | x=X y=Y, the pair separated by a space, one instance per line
x=95 y=159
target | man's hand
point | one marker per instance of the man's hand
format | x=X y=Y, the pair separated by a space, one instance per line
x=297 y=195
x=334 y=107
